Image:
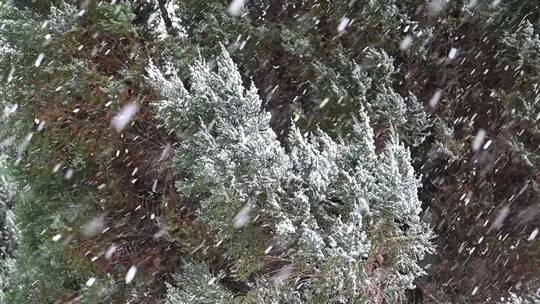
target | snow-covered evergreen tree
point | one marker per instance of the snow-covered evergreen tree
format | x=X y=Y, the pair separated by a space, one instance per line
x=307 y=68
x=531 y=297
x=314 y=203
x=194 y=284
x=342 y=218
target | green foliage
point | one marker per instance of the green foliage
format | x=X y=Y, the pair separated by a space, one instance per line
x=318 y=199
x=47 y=271
x=39 y=6
x=314 y=203
x=194 y=284
x=303 y=64
x=477 y=60
x=56 y=96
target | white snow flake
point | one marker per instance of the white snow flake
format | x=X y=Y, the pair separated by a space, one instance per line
x=533 y=235
x=39 y=60
x=343 y=24
x=435 y=98
x=452 y=54
x=110 y=252
x=93 y=227
x=236 y=7
x=479 y=139
x=11 y=74
x=503 y=213
x=130 y=275
x=242 y=218
x=436 y=6
x=495 y=3
x=90 y=282
x=57 y=167
x=124 y=117
x=406 y=42
x=69 y=173
x=324 y=102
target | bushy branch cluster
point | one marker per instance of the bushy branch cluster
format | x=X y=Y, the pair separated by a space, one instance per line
x=343 y=218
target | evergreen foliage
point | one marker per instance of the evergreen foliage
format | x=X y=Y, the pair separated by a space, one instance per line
x=57 y=91
x=486 y=87
x=135 y=165
x=322 y=202
x=532 y=297
x=294 y=53
x=196 y=285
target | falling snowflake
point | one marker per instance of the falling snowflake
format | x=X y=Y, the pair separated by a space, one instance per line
x=242 y=218
x=110 y=252
x=236 y=7
x=11 y=74
x=39 y=60
x=503 y=213
x=436 y=6
x=90 y=282
x=130 y=275
x=452 y=54
x=533 y=235
x=435 y=98
x=479 y=139
x=343 y=24
x=92 y=228
x=406 y=42
x=69 y=173
x=124 y=117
